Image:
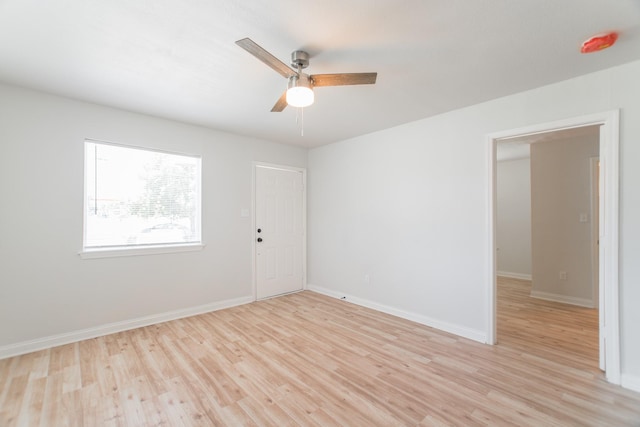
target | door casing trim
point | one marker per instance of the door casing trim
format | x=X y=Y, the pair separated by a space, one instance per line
x=609 y=225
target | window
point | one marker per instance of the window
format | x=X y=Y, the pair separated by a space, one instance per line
x=137 y=198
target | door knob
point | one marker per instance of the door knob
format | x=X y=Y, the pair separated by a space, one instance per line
x=259 y=239
x=259 y=230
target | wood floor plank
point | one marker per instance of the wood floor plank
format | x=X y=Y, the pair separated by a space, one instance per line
x=31 y=409
x=13 y=396
x=310 y=360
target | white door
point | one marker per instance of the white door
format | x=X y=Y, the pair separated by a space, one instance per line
x=279 y=231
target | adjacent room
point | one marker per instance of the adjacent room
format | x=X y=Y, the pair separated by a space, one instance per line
x=319 y=213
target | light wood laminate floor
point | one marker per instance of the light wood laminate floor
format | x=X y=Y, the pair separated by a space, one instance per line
x=307 y=359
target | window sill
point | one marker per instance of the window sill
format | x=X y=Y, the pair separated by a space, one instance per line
x=123 y=251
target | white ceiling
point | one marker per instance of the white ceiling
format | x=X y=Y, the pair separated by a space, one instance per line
x=177 y=59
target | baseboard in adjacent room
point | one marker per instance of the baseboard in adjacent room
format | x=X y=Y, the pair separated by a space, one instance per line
x=83 y=334
x=512 y=275
x=582 y=302
x=471 y=334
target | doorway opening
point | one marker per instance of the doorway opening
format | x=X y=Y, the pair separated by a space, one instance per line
x=546 y=283
x=608 y=318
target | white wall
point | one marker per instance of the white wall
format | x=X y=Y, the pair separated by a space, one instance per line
x=45 y=288
x=513 y=228
x=561 y=193
x=408 y=206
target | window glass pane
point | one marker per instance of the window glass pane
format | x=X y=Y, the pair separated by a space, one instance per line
x=140 y=197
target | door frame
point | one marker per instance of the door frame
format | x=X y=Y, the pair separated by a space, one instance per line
x=609 y=228
x=254 y=273
x=594 y=183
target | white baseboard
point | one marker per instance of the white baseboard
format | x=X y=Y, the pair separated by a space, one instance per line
x=512 y=275
x=582 y=302
x=631 y=382
x=110 y=328
x=471 y=334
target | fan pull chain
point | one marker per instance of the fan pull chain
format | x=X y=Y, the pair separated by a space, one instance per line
x=300 y=119
x=301 y=109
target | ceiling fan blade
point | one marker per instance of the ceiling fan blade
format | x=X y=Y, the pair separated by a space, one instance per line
x=264 y=56
x=344 y=79
x=281 y=103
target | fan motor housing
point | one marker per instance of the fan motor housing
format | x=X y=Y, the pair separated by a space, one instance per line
x=299 y=59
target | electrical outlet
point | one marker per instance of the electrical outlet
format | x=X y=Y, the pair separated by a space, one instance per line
x=563 y=275
x=367 y=279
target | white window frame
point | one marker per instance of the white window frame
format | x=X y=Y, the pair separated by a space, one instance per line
x=135 y=250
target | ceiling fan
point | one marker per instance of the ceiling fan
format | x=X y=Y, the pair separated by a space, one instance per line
x=299 y=91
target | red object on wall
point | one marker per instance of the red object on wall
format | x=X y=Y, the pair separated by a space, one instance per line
x=599 y=42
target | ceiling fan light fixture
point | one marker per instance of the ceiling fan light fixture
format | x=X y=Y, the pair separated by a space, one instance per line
x=299 y=91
